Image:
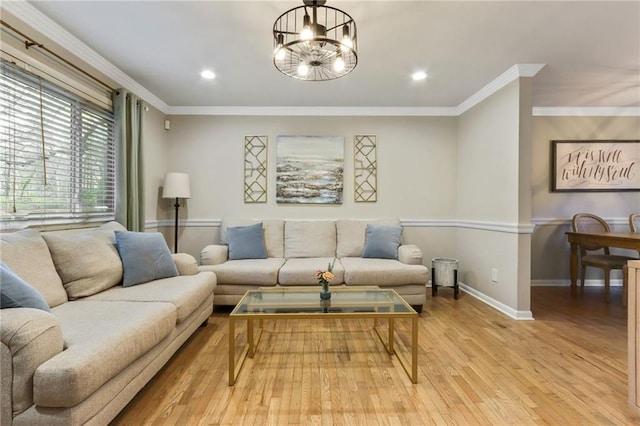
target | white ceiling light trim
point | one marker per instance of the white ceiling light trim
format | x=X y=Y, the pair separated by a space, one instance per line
x=419 y=75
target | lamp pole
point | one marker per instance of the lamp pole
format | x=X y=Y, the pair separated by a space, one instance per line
x=176 y=185
x=175 y=236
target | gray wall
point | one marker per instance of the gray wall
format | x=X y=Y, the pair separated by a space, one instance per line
x=491 y=189
x=416 y=173
x=453 y=179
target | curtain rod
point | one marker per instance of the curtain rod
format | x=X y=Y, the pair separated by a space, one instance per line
x=29 y=42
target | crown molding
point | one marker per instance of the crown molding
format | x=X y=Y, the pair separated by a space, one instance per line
x=43 y=24
x=586 y=111
x=516 y=71
x=317 y=111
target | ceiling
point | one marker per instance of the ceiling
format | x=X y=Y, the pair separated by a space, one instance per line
x=591 y=50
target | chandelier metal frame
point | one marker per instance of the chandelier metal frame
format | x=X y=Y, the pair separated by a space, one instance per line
x=317 y=46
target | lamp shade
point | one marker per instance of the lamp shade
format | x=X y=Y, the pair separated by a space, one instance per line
x=176 y=185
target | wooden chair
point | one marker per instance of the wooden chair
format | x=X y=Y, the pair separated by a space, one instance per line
x=590 y=223
x=634 y=222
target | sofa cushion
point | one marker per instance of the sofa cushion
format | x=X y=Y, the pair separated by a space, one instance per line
x=246 y=242
x=16 y=293
x=247 y=271
x=273 y=233
x=145 y=257
x=382 y=241
x=315 y=238
x=351 y=235
x=27 y=254
x=382 y=272
x=186 y=293
x=303 y=271
x=87 y=262
x=101 y=339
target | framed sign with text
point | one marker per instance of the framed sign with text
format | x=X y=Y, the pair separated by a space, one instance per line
x=597 y=165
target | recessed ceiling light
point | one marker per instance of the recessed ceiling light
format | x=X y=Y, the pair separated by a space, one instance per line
x=208 y=74
x=419 y=75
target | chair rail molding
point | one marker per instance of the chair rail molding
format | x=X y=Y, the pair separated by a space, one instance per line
x=566 y=221
x=512 y=228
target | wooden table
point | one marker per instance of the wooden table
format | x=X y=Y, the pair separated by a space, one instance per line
x=625 y=240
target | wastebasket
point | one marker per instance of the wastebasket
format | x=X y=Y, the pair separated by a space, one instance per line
x=444 y=273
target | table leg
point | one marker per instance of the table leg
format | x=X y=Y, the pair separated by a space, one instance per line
x=252 y=347
x=573 y=264
x=414 y=350
x=391 y=324
x=232 y=352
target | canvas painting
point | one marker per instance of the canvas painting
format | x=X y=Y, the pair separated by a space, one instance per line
x=309 y=169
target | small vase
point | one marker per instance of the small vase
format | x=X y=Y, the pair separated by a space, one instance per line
x=325 y=294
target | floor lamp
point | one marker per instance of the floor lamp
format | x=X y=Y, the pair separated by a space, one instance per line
x=176 y=185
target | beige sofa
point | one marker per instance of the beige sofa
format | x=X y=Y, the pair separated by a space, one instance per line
x=297 y=248
x=85 y=360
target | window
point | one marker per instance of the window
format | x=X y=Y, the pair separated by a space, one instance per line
x=57 y=153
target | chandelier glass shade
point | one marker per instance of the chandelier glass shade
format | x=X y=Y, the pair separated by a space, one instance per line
x=315 y=42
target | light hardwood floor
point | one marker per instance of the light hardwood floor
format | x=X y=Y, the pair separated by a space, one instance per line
x=476 y=366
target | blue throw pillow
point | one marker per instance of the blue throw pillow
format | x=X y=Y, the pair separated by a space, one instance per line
x=145 y=257
x=382 y=241
x=16 y=293
x=246 y=242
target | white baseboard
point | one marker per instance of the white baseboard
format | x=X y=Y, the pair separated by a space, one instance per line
x=499 y=306
x=567 y=283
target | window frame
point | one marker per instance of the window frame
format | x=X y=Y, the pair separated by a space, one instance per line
x=84 y=147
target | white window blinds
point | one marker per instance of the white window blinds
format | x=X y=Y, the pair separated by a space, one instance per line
x=57 y=153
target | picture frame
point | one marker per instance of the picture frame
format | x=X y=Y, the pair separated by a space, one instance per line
x=309 y=169
x=365 y=169
x=255 y=169
x=595 y=165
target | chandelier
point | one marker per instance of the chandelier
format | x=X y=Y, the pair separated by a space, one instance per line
x=315 y=42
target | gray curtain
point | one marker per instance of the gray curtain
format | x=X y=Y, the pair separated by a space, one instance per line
x=128 y=114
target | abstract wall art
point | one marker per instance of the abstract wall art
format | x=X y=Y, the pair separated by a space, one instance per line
x=309 y=169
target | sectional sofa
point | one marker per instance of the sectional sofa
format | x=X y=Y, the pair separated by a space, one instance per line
x=366 y=252
x=82 y=356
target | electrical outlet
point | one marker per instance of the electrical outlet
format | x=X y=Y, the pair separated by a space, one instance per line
x=494 y=275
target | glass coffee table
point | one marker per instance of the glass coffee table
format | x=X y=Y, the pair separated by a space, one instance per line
x=304 y=303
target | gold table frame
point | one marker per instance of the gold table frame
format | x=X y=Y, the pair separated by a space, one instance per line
x=317 y=309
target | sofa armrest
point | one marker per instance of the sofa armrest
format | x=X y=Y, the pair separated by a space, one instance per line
x=186 y=264
x=30 y=337
x=214 y=254
x=410 y=254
